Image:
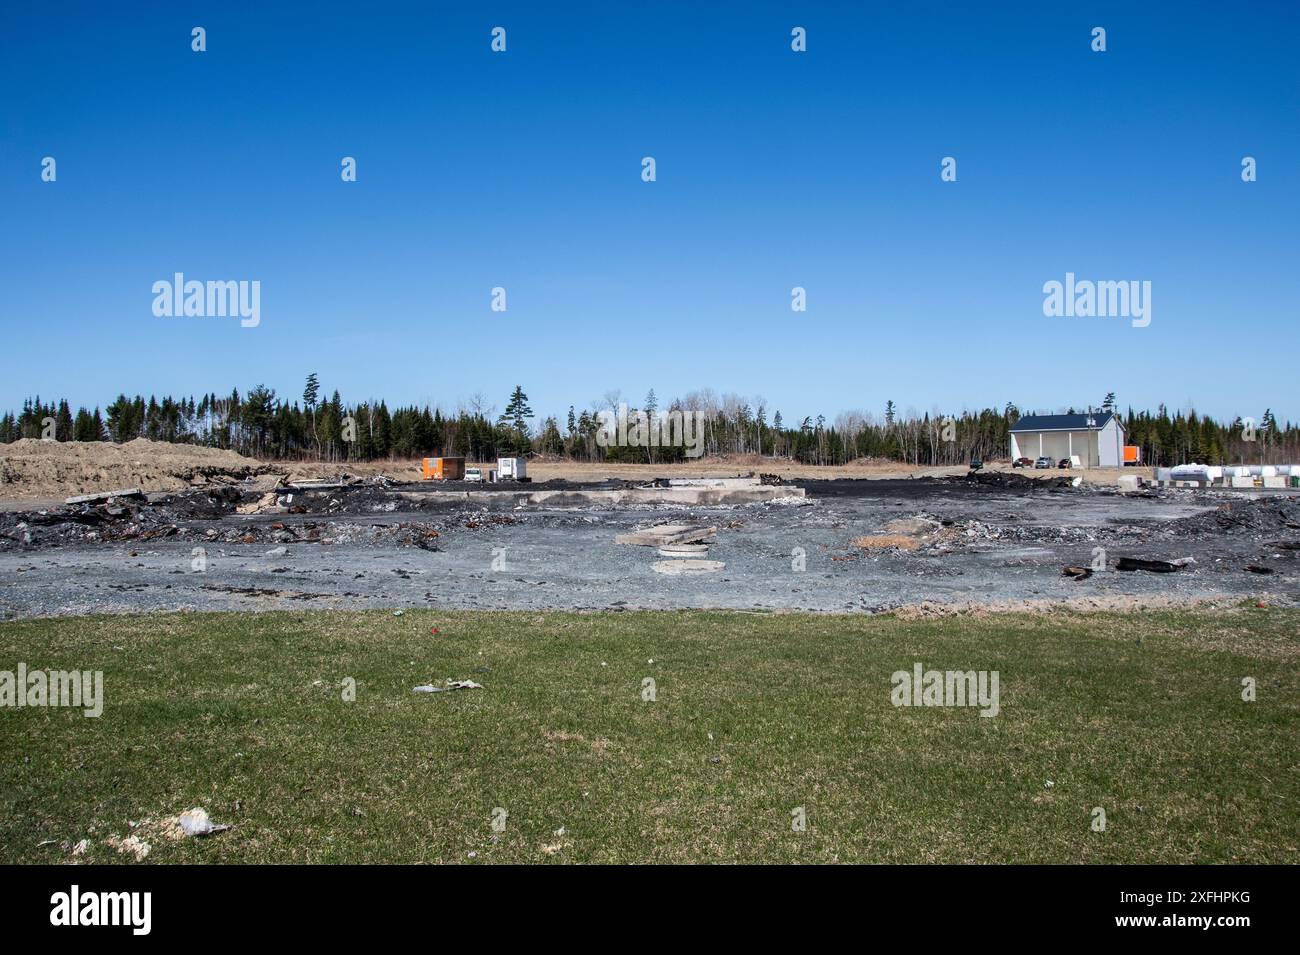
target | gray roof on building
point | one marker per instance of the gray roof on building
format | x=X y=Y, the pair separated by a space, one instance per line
x=1062 y=422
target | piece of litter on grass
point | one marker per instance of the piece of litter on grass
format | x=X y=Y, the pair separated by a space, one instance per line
x=195 y=822
x=1049 y=784
x=397 y=613
x=451 y=685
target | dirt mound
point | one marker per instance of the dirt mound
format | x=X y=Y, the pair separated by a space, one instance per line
x=1268 y=515
x=1124 y=603
x=1009 y=479
x=31 y=469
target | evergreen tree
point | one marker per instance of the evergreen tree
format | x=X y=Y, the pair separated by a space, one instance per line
x=516 y=414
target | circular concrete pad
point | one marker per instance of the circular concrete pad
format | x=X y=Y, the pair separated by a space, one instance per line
x=687 y=566
x=683 y=550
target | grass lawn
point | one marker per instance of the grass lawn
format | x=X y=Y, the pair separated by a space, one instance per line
x=755 y=715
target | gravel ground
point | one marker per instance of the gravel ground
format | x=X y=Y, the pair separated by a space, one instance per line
x=970 y=545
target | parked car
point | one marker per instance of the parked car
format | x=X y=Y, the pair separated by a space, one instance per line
x=1063 y=463
x=473 y=474
x=1023 y=463
x=1042 y=463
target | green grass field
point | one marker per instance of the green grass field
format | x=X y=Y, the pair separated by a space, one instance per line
x=755 y=715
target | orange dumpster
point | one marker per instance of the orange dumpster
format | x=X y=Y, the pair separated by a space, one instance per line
x=444 y=469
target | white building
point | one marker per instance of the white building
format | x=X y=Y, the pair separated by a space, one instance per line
x=1096 y=438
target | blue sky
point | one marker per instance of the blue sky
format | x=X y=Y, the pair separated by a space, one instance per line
x=775 y=169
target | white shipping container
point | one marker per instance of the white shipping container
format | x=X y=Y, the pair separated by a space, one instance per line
x=511 y=469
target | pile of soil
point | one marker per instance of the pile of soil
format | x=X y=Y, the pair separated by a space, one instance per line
x=1270 y=515
x=1012 y=480
x=35 y=470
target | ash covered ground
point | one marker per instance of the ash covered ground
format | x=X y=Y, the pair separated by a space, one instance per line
x=998 y=540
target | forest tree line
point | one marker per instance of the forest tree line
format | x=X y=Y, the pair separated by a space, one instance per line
x=261 y=424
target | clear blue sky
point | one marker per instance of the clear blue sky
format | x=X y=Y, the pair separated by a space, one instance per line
x=775 y=169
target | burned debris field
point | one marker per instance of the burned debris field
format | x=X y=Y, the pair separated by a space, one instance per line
x=994 y=540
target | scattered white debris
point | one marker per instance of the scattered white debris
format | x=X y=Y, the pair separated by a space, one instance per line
x=131 y=845
x=277 y=552
x=1049 y=784
x=687 y=565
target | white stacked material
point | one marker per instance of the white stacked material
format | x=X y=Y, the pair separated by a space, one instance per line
x=1242 y=481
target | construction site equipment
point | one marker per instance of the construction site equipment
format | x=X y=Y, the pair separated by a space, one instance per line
x=444 y=469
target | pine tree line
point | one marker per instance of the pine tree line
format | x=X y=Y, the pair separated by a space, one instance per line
x=260 y=424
